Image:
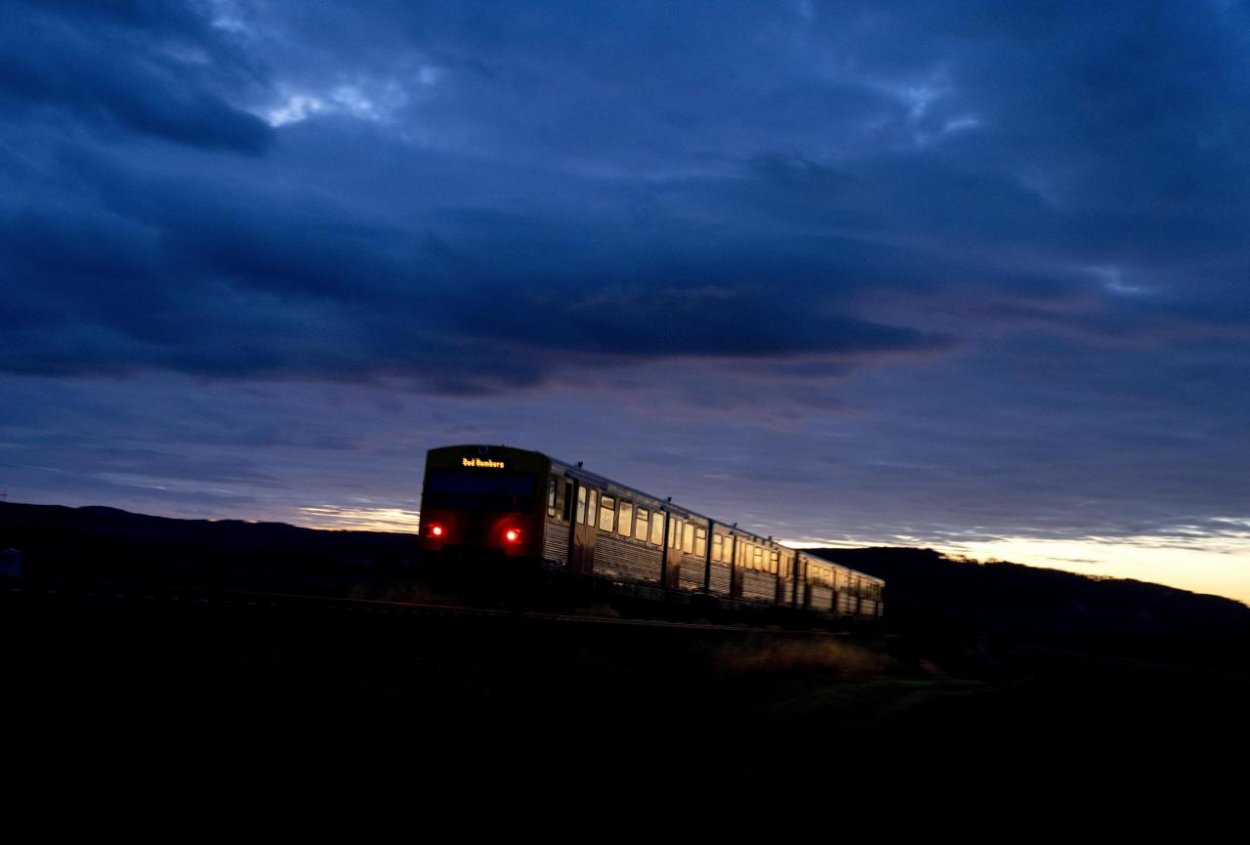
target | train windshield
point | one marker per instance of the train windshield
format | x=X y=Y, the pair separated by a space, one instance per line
x=471 y=491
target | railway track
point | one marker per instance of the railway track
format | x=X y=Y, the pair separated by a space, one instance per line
x=102 y=593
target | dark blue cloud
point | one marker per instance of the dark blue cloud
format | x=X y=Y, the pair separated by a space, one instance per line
x=151 y=68
x=447 y=186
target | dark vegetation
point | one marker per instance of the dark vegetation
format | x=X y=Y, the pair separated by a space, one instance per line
x=994 y=686
x=100 y=542
x=969 y=610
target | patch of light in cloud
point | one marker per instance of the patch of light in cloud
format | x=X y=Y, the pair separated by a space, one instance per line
x=351 y=100
x=1113 y=280
x=294 y=110
x=165 y=485
x=374 y=101
x=429 y=75
x=920 y=101
x=228 y=16
x=918 y=98
x=961 y=124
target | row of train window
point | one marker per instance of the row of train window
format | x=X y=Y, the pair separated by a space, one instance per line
x=618 y=516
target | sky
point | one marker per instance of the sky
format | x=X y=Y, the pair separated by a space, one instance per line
x=964 y=275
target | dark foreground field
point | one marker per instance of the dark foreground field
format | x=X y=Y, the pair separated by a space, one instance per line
x=147 y=703
x=996 y=699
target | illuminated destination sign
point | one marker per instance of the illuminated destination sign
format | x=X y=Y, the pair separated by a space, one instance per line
x=481 y=463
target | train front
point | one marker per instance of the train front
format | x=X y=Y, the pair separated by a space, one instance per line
x=484 y=501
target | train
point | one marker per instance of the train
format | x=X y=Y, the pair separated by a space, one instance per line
x=502 y=504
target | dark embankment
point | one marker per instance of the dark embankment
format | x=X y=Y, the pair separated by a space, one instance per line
x=1005 y=689
x=99 y=542
x=964 y=609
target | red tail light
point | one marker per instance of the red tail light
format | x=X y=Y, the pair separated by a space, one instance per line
x=437 y=531
x=512 y=535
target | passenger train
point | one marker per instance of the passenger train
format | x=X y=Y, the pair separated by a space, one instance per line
x=506 y=503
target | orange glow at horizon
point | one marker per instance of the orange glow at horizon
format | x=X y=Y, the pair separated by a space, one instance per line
x=332 y=517
x=1216 y=565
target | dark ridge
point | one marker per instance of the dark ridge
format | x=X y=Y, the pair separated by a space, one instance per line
x=939 y=606
x=969 y=605
x=106 y=542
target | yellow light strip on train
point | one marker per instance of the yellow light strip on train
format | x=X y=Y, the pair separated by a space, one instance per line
x=482 y=463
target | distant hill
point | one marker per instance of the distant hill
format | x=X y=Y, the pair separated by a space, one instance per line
x=943 y=605
x=107 y=542
x=967 y=602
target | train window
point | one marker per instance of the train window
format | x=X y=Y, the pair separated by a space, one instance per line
x=718 y=544
x=625 y=525
x=674 y=532
x=657 y=529
x=581 y=505
x=700 y=541
x=551 y=496
x=607 y=514
x=687 y=538
x=644 y=522
x=592 y=508
x=458 y=491
x=757 y=557
x=773 y=559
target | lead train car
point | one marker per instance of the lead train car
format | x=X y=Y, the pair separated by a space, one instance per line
x=515 y=503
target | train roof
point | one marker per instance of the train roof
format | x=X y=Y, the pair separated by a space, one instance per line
x=820 y=561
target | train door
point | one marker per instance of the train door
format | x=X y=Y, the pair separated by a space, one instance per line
x=785 y=572
x=736 y=557
x=672 y=551
x=582 y=537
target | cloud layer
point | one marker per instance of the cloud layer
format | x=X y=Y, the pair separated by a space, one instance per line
x=1000 y=250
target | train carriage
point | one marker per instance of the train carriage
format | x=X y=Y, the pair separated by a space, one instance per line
x=507 y=503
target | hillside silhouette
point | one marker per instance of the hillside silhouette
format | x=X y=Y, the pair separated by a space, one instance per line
x=942 y=606
x=990 y=668
x=103 y=542
x=960 y=605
